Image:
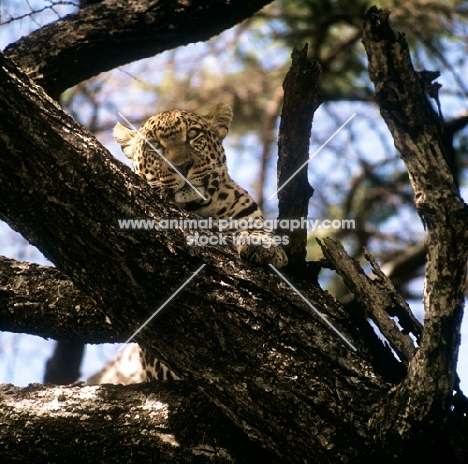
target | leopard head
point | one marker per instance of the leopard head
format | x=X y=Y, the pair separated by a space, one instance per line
x=175 y=146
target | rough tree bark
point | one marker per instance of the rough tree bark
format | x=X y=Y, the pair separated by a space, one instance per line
x=301 y=97
x=165 y=423
x=379 y=305
x=242 y=337
x=41 y=300
x=103 y=36
x=418 y=407
x=285 y=355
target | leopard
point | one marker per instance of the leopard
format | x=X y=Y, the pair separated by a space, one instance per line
x=181 y=155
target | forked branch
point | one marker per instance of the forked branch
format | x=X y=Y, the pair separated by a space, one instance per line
x=403 y=97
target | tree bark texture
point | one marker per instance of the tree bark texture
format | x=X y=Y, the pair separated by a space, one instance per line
x=271 y=364
x=301 y=99
x=163 y=423
x=403 y=97
x=40 y=300
x=371 y=298
x=102 y=37
x=239 y=334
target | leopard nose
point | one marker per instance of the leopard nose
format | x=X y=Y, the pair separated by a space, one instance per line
x=184 y=168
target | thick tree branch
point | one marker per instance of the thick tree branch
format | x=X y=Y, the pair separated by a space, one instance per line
x=103 y=36
x=274 y=358
x=40 y=300
x=118 y=424
x=301 y=97
x=402 y=95
x=242 y=337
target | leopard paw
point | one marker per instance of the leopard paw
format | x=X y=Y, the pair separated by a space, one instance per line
x=261 y=254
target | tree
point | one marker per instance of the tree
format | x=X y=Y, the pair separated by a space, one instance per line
x=243 y=339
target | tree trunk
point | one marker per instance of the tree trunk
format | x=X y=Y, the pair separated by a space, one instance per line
x=239 y=334
x=286 y=355
x=63 y=367
x=425 y=397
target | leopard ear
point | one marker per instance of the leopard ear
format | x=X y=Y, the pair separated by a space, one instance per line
x=220 y=118
x=126 y=138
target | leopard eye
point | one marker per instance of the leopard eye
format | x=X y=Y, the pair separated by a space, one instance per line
x=193 y=133
x=152 y=142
